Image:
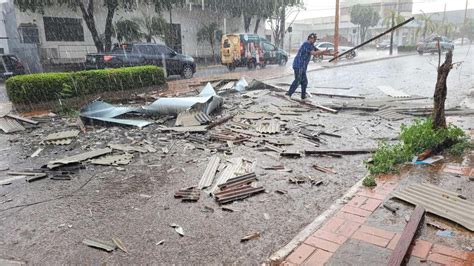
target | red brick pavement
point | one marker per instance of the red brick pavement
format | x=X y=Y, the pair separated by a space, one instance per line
x=349 y=222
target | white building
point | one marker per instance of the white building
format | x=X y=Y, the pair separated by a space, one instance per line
x=60 y=34
x=324 y=26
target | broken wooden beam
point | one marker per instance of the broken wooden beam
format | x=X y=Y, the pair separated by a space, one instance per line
x=343 y=152
x=23 y=119
x=408 y=234
x=220 y=121
x=327 y=109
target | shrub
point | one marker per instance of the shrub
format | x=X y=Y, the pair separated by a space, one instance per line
x=369 y=181
x=44 y=87
x=415 y=139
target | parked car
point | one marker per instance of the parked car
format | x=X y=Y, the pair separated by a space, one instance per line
x=458 y=41
x=10 y=65
x=250 y=50
x=330 y=46
x=139 y=54
x=430 y=45
x=383 y=45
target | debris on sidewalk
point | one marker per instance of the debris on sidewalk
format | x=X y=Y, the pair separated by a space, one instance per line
x=178 y=229
x=408 y=234
x=192 y=118
x=324 y=169
x=9 y=125
x=100 y=244
x=209 y=173
x=390 y=91
x=128 y=148
x=342 y=152
x=237 y=188
x=36 y=153
x=296 y=180
x=188 y=194
x=268 y=127
x=441 y=202
x=61 y=138
x=78 y=158
x=251 y=236
x=115 y=160
x=119 y=244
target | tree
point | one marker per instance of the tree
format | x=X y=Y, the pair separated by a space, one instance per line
x=364 y=16
x=427 y=25
x=278 y=21
x=87 y=10
x=467 y=30
x=127 y=30
x=211 y=34
x=439 y=119
x=391 y=19
x=154 y=26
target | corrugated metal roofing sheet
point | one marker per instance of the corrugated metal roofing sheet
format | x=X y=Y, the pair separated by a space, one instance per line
x=79 y=157
x=62 y=135
x=229 y=172
x=440 y=202
x=393 y=92
x=390 y=114
x=9 y=125
x=122 y=159
x=210 y=172
x=268 y=127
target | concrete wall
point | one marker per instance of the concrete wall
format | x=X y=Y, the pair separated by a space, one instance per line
x=3 y=32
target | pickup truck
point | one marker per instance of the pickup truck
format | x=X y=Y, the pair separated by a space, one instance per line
x=140 y=54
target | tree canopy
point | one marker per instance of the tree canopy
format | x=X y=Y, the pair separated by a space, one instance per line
x=364 y=16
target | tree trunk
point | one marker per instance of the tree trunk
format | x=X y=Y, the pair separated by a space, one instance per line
x=148 y=38
x=257 y=23
x=213 y=52
x=363 y=30
x=282 y=26
x=111 y=7
x=439 y=119
x=88 y=15
x=247 y=20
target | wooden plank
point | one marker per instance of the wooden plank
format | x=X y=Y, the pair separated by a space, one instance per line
x=408 y=234
x=23 y=119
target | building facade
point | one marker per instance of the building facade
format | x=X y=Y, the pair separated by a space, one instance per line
x=349 y=32
x=60 y=35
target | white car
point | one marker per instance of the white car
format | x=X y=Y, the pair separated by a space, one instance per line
x=330 y=46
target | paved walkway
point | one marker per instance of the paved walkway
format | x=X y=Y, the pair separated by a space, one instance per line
x=347 y=239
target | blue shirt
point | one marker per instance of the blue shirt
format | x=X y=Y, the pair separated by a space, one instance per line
x=304 y=55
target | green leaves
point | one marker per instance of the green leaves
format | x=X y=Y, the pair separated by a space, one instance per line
x=45 y=87
x=415 y=139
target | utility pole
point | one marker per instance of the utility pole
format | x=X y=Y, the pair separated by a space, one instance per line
x=336 y=28
x=465 y=24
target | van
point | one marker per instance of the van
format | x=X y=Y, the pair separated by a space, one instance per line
x=250 y=50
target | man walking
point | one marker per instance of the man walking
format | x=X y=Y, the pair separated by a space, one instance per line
x=300 y=64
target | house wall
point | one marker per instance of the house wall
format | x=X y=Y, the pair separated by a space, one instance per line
x=190 y=19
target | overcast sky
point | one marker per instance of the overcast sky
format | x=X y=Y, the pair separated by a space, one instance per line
x=317 y=8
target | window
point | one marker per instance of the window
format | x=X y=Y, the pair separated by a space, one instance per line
x=268 y=47
x=161 y=49
x=2 y=51
x=28 y=33
x=63 y=29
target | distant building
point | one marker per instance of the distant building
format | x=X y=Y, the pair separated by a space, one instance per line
x=324 y=26
x=60 y=35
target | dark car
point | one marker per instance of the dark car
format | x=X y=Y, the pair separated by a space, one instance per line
x=140 y=54
x=10 y=65
x=430 y=45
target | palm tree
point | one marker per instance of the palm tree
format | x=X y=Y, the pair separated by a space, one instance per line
x=447 y=28
x=427 y=23
x=153 y=27
x=390 y=20
x=127 y=30
x=211 y=34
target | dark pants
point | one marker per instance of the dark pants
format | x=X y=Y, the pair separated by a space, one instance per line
x=300 y=78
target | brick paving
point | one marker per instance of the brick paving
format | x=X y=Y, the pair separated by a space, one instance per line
x=350 y=223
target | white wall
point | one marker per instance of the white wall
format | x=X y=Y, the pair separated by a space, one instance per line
x=190 y=21
x=3 y=32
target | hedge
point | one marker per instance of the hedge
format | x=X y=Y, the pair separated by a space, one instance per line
x=44 y=87
x=406 y=48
